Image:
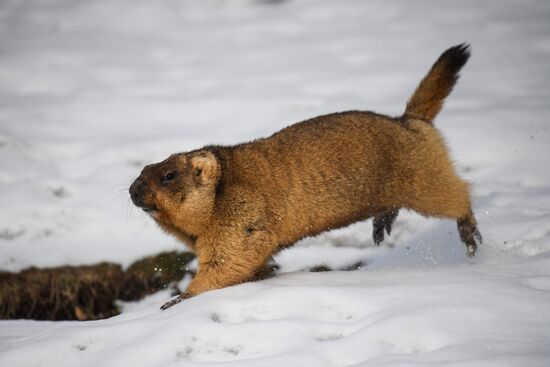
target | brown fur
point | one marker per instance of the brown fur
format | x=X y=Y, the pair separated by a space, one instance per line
x=235 y=206
x=427 y=99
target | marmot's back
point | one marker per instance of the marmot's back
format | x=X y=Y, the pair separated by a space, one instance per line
x=328 y=171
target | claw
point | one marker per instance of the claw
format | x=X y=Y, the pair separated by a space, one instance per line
x=175 y=301
x=478 y=236
x=378 y=235
x=471 y=250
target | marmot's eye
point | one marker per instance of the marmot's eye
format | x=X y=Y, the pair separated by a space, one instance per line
x=168 y=177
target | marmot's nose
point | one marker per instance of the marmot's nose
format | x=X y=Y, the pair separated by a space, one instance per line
x=136 y=192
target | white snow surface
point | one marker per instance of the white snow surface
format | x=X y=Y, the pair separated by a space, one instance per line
x=90 y=91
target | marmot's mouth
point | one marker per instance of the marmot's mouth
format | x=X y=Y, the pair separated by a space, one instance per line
x=149 y=210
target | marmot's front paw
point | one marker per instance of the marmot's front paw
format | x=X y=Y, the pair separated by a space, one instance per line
x=175 y=301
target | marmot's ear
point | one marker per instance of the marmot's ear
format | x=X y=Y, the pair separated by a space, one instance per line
x=205 y=168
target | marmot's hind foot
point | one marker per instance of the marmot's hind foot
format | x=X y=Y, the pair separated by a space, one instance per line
x=469 y=234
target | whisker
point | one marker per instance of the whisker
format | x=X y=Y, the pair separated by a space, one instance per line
x=129 y=209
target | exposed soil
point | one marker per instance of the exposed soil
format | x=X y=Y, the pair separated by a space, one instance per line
x=86 y=292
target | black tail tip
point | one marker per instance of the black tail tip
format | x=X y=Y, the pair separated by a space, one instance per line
x=457 y=56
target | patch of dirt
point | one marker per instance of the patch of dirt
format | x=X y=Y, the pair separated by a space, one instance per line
x=86 y=292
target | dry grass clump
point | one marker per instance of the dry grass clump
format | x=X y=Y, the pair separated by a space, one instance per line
x=86 y=292
x=64 y=293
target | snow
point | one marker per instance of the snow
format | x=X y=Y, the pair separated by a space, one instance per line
x=92 y=91
x=463 y=315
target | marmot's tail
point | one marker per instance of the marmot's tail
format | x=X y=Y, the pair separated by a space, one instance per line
x=427 y=100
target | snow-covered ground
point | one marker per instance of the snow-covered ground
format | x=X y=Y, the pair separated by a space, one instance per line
x=90 y=91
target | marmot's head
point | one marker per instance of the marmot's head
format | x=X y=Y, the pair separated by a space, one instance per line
x=180 y=190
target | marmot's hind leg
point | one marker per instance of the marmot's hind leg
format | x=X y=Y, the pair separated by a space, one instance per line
x=383 y=222
x=448 y=197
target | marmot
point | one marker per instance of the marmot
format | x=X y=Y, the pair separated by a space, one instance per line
x=235 y=206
